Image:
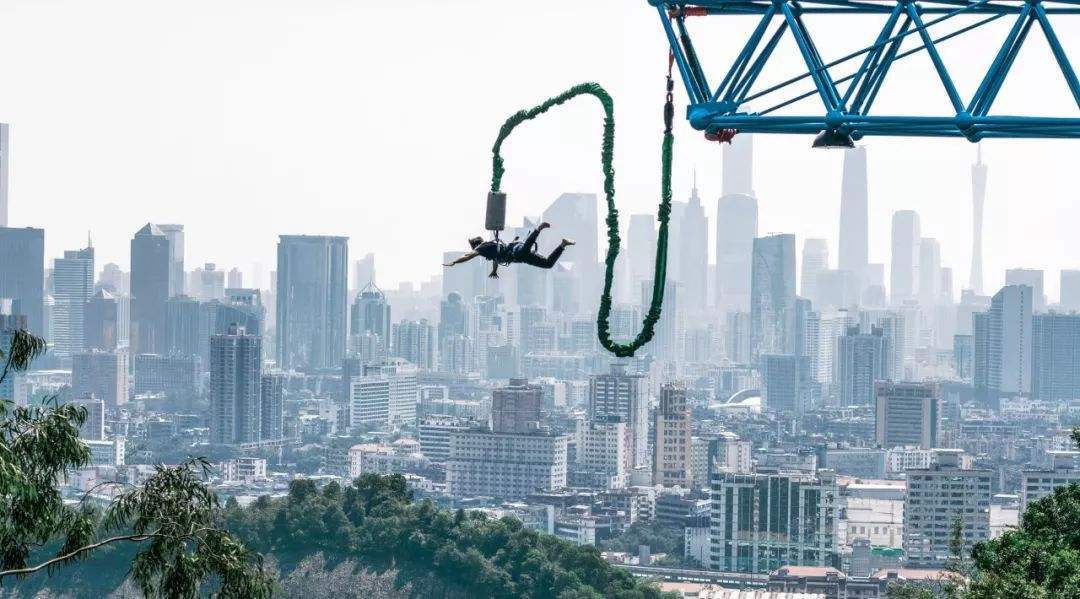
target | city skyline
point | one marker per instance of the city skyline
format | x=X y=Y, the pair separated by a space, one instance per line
x=220 y=161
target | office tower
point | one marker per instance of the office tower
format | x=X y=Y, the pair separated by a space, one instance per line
x=760 y=522
x=1003 y=343
x=602 y=451
x=101 y=374
x=175 y=234
x=505 y=465
x=855 y=216
x=929 y=272
x=736 y=229
x=737 y=337
x=622 y=395
x=177 y=377
x=1055 y=357
x=772 y=296
x=103 y=321
x=517 y=408
x=235 y=279
x=93 y=428
x=738 y=166
x=903 y=275
x=364 y=271
x=73 y=284
x=235 y=387
x=936 y=498
x=978 y=196
x=22 y=270
x=815 y=259
x=385 y=395
x=272 y=402
x=414 y=341
x=641 y=248
x=114 y=280
x=860 y=362
x=669 y=328
x=243 y=306
x=565 y=290
x=468 y=279
x=574 y=216
x=780 y=383
x=1070 y=289
x=693 y=239
x=5 y=149
x=964 y=357
x=1036 y=483
x=311 y=296
x=152 y=284
x=822 y=331
x=370 y=316
x=185 y=327
x=837 y=289
x=1032 y=278
x=209 y=282
x=673 y=447
x=907 y=414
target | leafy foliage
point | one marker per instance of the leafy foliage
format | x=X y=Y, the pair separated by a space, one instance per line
x=171 y=517
x=440 y=553
x=312 y=578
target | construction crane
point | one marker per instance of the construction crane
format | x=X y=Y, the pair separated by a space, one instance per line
x=847 y=100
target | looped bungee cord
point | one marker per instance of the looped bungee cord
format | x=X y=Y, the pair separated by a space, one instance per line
x=607 y=149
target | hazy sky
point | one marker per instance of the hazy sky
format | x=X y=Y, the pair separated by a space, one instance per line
x=247 y=119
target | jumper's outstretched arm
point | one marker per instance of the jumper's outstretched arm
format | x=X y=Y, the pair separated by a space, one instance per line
x=462 y=259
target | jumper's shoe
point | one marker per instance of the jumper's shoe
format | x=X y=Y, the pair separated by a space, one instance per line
x=567 y=242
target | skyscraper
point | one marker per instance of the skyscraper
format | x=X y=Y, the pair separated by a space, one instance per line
x=673 y=448
x=855 y=216
x=815 y=260
x=364 y=271
x=641 y=248
x=103 y=321
x=414 y=341
x=574 y=215
x=1055 y=354
x=930 y=277
x=175 y=233
x=271 y=394
x=860 y=363
x=235 y=387
x=370 y=314
x=780 y=382
x=622 y=395
x=73 y=284
x=1033 y=278
x=517 y=407
x=312 y=281
x=102 y=374
x=152 y=284
x=978 y=196
x=1070 y=289
x=22 y=270
x=5 y=147
x=736 y=229
x=906 y=233
x=1003 y=343
x=694 y=255
x=772 y=296
x=738 y=166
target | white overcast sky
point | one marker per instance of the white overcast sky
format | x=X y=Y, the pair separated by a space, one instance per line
x=247 y=119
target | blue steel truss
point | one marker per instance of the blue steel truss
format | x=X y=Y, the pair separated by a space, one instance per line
x=847 y=100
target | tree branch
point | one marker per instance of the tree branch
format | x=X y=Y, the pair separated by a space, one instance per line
x=62 y=558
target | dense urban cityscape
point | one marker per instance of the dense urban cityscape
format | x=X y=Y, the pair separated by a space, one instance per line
x=799 y=423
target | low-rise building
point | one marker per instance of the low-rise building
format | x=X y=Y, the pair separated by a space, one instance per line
x=1036 y=484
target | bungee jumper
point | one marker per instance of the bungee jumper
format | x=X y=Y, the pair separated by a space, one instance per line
x=514 y=252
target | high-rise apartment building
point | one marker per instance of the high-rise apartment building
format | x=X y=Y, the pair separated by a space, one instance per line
x=1055 y=355
x=860 y=362
x=517 y=408
x=1003 y=337
x=772 y=296
x=414 y=341
x=272 y=400
x=622 y=395
x=101 y=374
x=673 y=447
x=73 y=284
x=312 y=284
x=907 y=414
x=235 y=387
x=936 y=498
x=505 y=465
x=22 y=269
x=760 y=522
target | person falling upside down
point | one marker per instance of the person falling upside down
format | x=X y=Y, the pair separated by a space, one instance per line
x=515 y=251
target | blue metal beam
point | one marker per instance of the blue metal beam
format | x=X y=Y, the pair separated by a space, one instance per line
x=722 y=108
